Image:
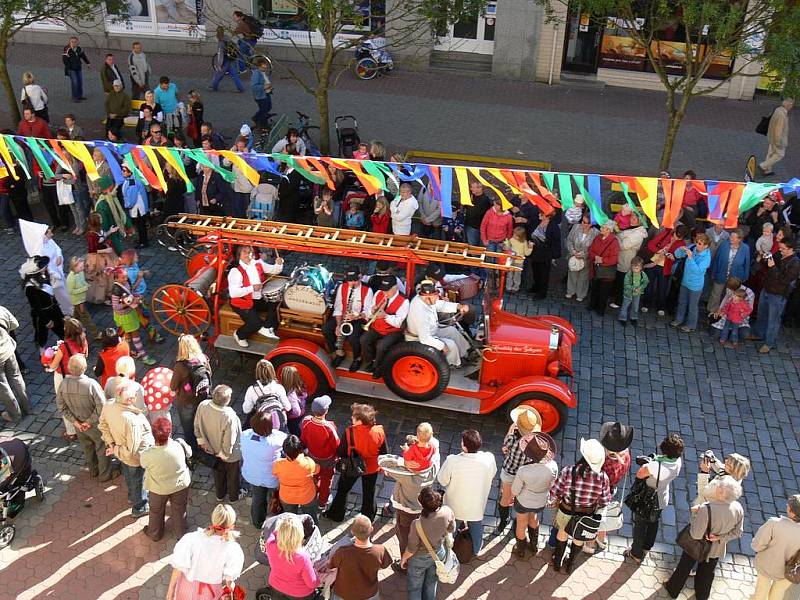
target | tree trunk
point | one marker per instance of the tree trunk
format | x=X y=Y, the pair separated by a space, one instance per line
x=321 y=95
x=675 y=117
x=5 y=78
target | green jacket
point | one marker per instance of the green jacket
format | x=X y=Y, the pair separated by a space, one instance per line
x=634 y=285
x=119 y=104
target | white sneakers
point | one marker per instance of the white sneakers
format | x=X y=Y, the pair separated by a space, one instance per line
x=268 y=333
x=242 y=343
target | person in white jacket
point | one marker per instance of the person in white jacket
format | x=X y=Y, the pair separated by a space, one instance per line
x=630 y=240
x=35 y=96
x=140 y=71
x=402 y=210
x=422 y=323
x=468 y=478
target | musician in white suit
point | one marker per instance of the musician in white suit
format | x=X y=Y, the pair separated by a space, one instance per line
x=422 y=324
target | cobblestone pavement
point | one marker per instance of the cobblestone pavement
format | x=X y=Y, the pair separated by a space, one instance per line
x=611 y=131
x=653 y=378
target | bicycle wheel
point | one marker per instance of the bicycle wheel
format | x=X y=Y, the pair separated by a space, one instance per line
x=366 y=68
x=256 y=58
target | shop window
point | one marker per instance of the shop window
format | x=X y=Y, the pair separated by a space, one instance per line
x=281 y=15
x=179 y=18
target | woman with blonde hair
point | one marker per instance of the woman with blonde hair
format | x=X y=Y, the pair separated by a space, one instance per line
x=205 y=560
x=267 y=387
x=191 y=382
x=291 y=570
x=34 y=96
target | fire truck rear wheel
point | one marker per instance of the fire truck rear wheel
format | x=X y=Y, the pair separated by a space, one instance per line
x=553 y=412
x=315 y=380
x=415 y=371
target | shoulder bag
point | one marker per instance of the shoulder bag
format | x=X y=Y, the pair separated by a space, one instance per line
x=697 y=549
x=763 y=125
x=462 y=543
x=352 y=465
x=613 y=519
x=643 y=500
x=792 y=572
x=446 y=570
x=582 y=527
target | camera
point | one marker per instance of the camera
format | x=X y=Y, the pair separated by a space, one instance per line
x=644 y=459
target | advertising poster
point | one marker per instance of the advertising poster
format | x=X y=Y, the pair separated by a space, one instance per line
x=672 y=55
x=622 y=52
x=184 y=12
x=138 y=10
x=720 y=66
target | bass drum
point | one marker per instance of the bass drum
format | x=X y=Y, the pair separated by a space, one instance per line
x=304 y=299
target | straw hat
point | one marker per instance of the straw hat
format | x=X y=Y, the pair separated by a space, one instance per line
x=527 y=419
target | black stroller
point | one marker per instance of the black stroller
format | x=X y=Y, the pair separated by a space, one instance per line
x=17 y=478
x=347 y=135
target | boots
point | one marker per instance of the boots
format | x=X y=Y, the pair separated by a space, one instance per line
x=519 y=548
x=533 y=538
x=558 y=554
x=504 y=511
x=573 y=552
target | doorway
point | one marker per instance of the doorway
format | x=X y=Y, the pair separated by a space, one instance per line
x=474 y=35
x=582 y=43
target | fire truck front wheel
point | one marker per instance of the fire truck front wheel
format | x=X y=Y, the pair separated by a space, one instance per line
x=415 y=371
x=315 y=380
x=552 y=410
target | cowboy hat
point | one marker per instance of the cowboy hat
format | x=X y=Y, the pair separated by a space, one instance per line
x=593 y=453
x=615 y=436
x=527 y=419
x=538 y=447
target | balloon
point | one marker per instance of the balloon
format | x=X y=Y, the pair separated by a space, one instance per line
x=157 y=395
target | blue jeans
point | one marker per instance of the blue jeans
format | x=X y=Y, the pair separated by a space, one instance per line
x=730 y=329
x=76 y=83
x=134 y=479
x=770 y=311
x=246 y=48
x=473 y=236
x=476 y=533
x=186 y=415
x=633 y=304
x=688 y=303
x=227 y=69
x=264 y=106
x=260 y=506
x=422 y=580
x=303 y=509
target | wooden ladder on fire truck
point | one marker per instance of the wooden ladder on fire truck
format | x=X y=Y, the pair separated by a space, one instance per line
x=328 y=240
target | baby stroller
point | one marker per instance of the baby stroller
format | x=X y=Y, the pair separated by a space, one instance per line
x=347 y=135
x=17 y=477
x=372 y=58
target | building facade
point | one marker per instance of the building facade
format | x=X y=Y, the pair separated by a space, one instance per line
x=512 y=40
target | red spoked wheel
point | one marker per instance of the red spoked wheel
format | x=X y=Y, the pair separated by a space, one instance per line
x=315 y=380
x=180 y=309
x=199 y=256
x=552 y=410
x=415 y=371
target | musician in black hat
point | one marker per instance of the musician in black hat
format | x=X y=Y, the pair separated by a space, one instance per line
x=385 y=325
x=351 y=306
x=382 y=269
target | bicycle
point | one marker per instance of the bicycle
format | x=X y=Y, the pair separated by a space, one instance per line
x=372 y=59
x=235 y=54
x=304 y=128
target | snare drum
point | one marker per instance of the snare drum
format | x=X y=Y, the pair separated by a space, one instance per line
x=304 y=299
x=273 y=290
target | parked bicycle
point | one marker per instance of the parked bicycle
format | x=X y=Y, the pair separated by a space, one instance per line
x=372 y=59
x=304 y=129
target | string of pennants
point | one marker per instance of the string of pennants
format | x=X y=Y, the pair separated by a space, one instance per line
x=447 y=183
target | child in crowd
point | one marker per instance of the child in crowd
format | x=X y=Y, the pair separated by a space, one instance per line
x=130 y=262
x=123 y=303
x=453 y=227
x=263 y=198
x=633 y=287
x=362 y=152
x=100 y=256
x=323 y=207
x=521 y=247
x=575 y=212
x=623 y=217
x=423 y=448
x=735 y=309
x=77 y=289
x=297 y=395
x=380 y=218
x=354 y=219
x=764 y=243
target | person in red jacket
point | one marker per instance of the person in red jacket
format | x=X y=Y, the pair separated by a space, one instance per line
x=367 y=438
x=33 y=126
x=380 y=216
x=5 y=203
x=662 y=256
x=603 y=257
x=496 y=227
x=321 y=439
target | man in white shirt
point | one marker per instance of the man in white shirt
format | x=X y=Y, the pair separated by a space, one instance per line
x=468 y=479
x=353 y=302
x=423 y=323
x=390 y=310
x=402 y=210
x=245 y=285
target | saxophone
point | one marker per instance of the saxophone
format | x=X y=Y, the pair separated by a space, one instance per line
x=343 y=333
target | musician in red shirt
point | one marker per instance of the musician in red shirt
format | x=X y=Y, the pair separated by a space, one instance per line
x=245 y=286
x=389 y=313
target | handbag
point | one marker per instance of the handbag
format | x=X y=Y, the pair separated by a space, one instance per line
x=643 y=500
x=613 y=519
x=64 y=192
x=697 y=549
x=352 y=465
x=576 y=264
x=275 y=506
x=235 y=593
x=462 y=544
x=447 y=569
x=582 y=527
x=792 y=572
x=763 y=125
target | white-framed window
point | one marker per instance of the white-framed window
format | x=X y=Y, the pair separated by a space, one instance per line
x=171 y=18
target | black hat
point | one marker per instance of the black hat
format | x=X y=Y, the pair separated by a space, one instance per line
x=386 y=283
x=434 y=271
x=352 y=274
x=615 y=436
x=427 y=288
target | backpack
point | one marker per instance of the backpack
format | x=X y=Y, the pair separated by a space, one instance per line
x=199 y=379
x=274 y=404
x=254 y=25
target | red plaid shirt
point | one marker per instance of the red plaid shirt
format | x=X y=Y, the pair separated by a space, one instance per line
x=616 y=468
x=591 y=489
